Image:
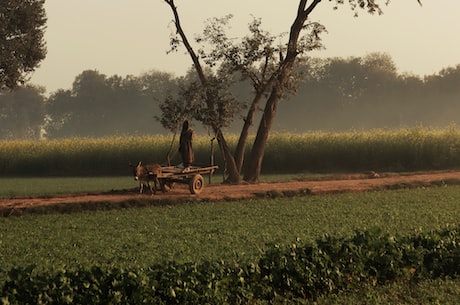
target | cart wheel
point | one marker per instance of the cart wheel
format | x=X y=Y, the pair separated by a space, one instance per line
x=196 y=184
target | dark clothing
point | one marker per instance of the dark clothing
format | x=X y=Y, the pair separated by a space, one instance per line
x=185 y=147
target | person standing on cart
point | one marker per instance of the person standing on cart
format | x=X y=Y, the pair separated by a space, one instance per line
x=185 y=145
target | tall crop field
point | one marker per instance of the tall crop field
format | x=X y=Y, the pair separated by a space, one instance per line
x=381 y=150
x=83 y=156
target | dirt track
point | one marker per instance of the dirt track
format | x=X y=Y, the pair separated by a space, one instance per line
x=215 y=192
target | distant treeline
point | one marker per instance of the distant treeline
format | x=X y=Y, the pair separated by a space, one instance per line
x=337 y=94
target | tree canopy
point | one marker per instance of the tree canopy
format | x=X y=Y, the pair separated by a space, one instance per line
x=22 y=45
x=22 y=113
x=336 y=94
x=271 y=67
x=99 y=105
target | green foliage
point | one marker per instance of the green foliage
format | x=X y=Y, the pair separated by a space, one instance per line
x=237 y=231
x=98 y=105
x=337 y=94
x=48 y=186
x=82 y=156
x=381 y=150
x=230 y=240
x=370 y=257
x=297 y=272
x=428 y=291
x=22 y=47
x=22 y=113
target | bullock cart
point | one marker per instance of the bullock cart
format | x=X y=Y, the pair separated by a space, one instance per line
x=193 y=176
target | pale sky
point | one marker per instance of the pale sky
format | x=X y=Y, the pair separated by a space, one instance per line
x=132 y=36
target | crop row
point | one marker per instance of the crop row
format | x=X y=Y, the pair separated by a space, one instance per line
x=299 y=271
x=383 y=150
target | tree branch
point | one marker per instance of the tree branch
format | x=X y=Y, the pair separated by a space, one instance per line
x=186 y=43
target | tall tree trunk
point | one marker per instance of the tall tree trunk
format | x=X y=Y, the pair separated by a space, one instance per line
x=233 y=174
x=248 y=122
x=230 y=165
x=254 y=165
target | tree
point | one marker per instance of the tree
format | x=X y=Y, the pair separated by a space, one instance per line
x=22 y=113
x=100 y=105
x=275 y=78
x=209 y=100
x=59 y=109
x=22 y=48
x=282 y=76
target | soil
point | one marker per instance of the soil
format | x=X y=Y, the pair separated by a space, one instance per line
x=216 y=192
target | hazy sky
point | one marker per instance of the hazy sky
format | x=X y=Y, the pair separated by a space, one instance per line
x=132 y=36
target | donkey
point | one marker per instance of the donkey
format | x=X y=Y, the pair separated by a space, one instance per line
x=145 y=174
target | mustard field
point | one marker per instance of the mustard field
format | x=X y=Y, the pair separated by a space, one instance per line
x=380 y=150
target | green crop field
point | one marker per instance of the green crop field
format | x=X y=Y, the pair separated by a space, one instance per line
x=214 y=231
x=49 y=186
x=229 y=233
x=229 y=230
x=381 y=150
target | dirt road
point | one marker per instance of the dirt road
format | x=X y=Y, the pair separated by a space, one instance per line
x=215 y=192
